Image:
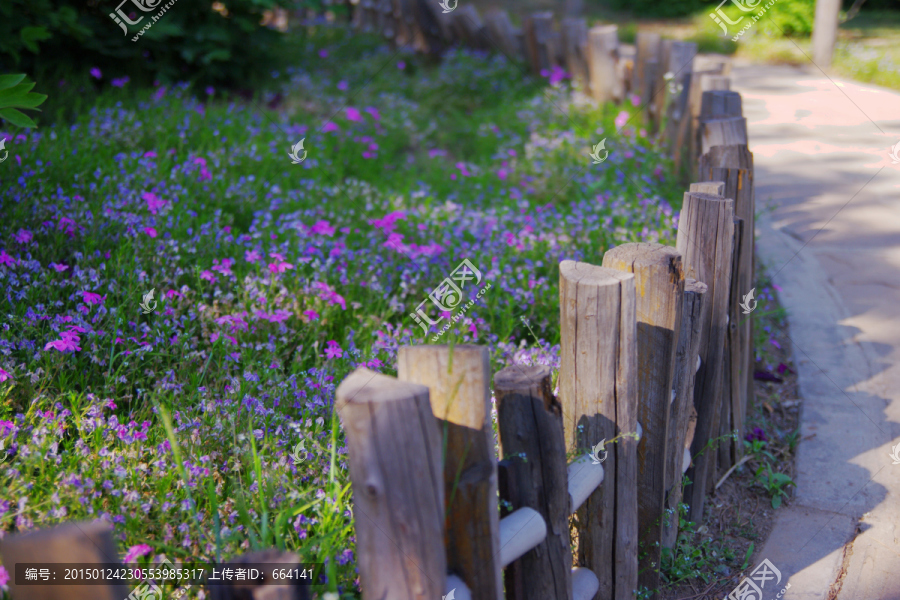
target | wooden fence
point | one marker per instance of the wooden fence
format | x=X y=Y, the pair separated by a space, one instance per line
x=652 y=344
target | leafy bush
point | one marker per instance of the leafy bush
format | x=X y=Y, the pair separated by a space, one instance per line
x=204 y=42
x=15 y=94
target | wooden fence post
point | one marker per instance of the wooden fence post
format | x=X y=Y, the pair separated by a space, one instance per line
x=538 y=40
x=602 y=60
x=575 y=43
x=732 y=418
x=720 y=122
x=683 y=403
x=501 y=33
x=85 y=542
x=529 y=418
x=679 y=58
x=647 y=48
x=701 y=81
x=468 y=26
x=705 y=240
x=433 y=25
x=659 y=285
x=458 y=380
x=394 y=448
x=599 y=344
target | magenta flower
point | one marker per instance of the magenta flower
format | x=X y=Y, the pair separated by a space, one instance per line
x=208 y=276
x=136 y=551
x=63 y=345
x=374 y=112
x=23 y=236
x=252 y=256
x=342 y=85
x=153 y=202
x=95 y=73
x=91 y=298
x=58 y=268
x=323 y=53
x=621 y=119
x=388 y=222
x=68 y=225
x=4 y=375
x=434 y=152
x=150 y=154
x=311 y=315
x=353 y=114
x=635 y=100
x=333 y=349
x=120 y=82
x=329 y=126
x=150 y=231
x=323 y=228
x=280 y=266
x=401 y=65
x=6 y=259
x=502 y=173
x=172 y=293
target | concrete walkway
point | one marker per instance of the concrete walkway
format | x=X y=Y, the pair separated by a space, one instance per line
x=829 y=230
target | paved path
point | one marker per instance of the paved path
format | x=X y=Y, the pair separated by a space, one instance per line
x=829 y=230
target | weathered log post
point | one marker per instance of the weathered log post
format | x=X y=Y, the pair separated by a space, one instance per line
x=739 y=186
x=468 y=26
x=701 y=81
x=501 y=33
x=602 y=61
x=458 y=380
x=394 y=447
x=575 y=44
x=85 y=542
x=683 y=404
x=659 y=285
x=529 y=418
x=646 y=48
x=732 y=418
x=705 y=240
x=680 y=66
x=599 y=344
x=538 y=40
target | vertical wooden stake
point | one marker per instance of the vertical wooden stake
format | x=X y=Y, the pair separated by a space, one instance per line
x=394 y=447
x=458 y=380
x=705 y=240
x=683 y=403
x=532 y=440
x=598 y=392
x=732 y=407
x=659 y=285
x=647 y=48
x=538 y=29
x=602 y=58
x=575 y=41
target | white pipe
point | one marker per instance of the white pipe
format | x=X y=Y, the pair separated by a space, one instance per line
x=456 y=589
x=584 y=477
x=686 y=462
x=584 y=584
x=520 y=531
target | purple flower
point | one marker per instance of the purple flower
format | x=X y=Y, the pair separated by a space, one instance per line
x=91 y=298
x=374 y=112
x=342 y=85
x=59 y=268
x=401 y=65
x=63 y=345
x=136 y=551
x=150 y=231
x=329 y=126
x=4 y=375
x=333 y=349
x=353 y=114
x=6 y=259
x=322 y=227
x=311 y=315
x=120 y=82
x=23 y=236
x=95 y=73
x=210 y=90
x=757 y=434
x=323 y=53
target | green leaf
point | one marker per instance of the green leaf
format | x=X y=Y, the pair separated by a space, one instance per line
x=31 y=101
x=216 y=55
x=776 y=501
x=16 y=118
x=8 y=81
x=31 y=35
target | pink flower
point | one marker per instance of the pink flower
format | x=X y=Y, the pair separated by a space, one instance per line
x=6 y=259
x=323 y=228
x=136 y=551
x=252 y=256
x=153 y=202
x=91 y=298
x=329 y=126
x=58 y=268
x=95 y=73
x=4 y=375
x=225 y=267
x=635 y=100
x=311 y=315
x=63 y=345
x=150 y=231
x=502 y=173
x=374 y=112
x=280 y=266
x=173 y=293
x=776 y=286
x=353 y=114
x=333 y=349
x=621 y=119
x=23 y=236
x=388 y=222
x=208 y=276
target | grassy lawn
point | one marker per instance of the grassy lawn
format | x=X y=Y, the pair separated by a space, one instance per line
x=274 y=280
